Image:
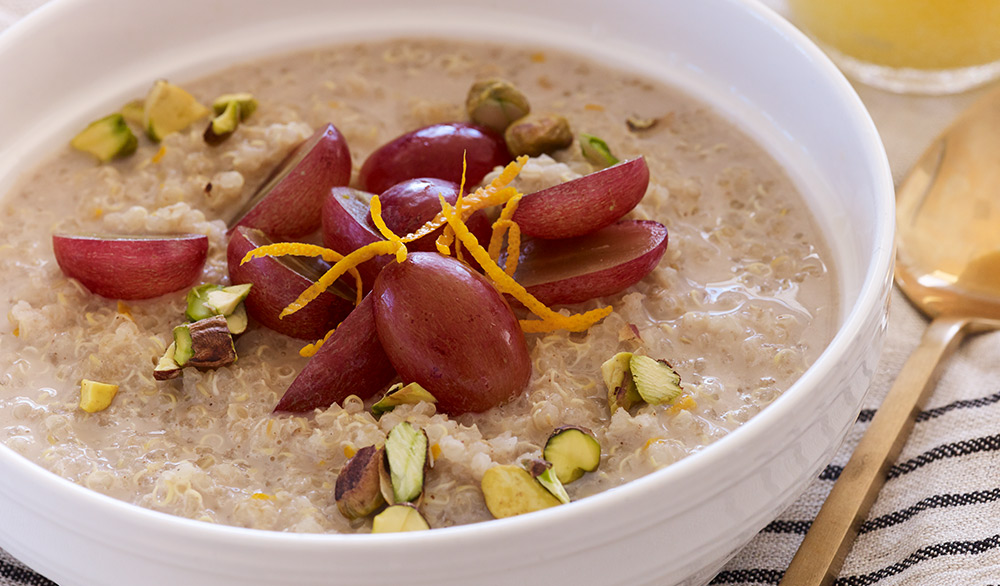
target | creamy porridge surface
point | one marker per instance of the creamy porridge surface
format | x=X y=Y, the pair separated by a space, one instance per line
x=742 y=302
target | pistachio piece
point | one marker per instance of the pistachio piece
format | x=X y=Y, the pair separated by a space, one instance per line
x=656 y=381
x=237 y=320
x=357 y=491
x=106 y=139
x=572 y=452
x=183 y=346
x=96 y=396
x=406 y=455
x=167 y=368
x=246 y=102
x=534 y=135
x=133 y=111
x=209 y=299
x=617 y=374
x=205 y=343
x=398 y=394
x=196 y=298
x=637 y=124
x=496 y=103
x=225 y=300
x=168 y=109
x=398 y=518
x=510 y=490
x=596 y=151
x=541 y=471
x=224 y=125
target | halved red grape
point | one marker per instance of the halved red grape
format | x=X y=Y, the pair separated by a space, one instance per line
x=447 y=328
x=350 y=362
x=131 y=267
x=602 y=263
x=288 y=204
x=435 y=151
x=278 y=281
x=585 y=204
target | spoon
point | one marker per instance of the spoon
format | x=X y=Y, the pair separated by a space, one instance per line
x=948 y=266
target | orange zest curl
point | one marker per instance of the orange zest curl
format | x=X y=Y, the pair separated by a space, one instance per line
x=303 y=249
x=376 y=211
x=310 y=350
x=496 y=193
x=505 y=224
x=550 y=320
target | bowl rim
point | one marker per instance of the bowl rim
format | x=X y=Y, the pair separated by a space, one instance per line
x=871 y=295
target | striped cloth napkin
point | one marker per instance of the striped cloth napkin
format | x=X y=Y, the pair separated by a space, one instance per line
x=937 y=521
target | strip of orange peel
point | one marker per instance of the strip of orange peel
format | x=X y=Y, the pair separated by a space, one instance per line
x=344 y=265
x=376 y=211
x=550 y=320
x=310 y=350
x=303 y=249
x=505 y=224
x=493 y=194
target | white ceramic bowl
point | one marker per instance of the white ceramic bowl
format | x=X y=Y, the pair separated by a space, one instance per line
x=74 y=59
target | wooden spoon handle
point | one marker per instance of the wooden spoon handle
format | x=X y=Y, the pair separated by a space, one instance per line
x=821 y=555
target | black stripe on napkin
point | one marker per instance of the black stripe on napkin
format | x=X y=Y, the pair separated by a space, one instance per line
x=924 y=553
x=938 y=501
x=782 y=526
x=965 y=404
x=748 y=576
x=953 y=450
x=831 y=472
x=20 y=575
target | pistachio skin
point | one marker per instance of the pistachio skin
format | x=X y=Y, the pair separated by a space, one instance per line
x=536 y=135
x=357 y=490
x=496 y=103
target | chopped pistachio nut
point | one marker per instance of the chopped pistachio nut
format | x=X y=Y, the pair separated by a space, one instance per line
x=133 y=111
x=357 y=491
x=617 y=374
x=224 y=125
x=495 y=104
x=168 y=109
x=229 y=111
x=96 y=396
x=510 y=490
x=237 y=320
x=572 y=452
x=636 y=124
x=406 y=455
x=398 y=394
x=596 y=151
x=196 y=298
x=205 y=343
x=542 y=471
x=209 y=299
x=655 y=380
x=225 y=300
x=246 y=102
x=167 y=368
x=535 y=135
x=106 y=139
x=398 y=518
x=183 y=346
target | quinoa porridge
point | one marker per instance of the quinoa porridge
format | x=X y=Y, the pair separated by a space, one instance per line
x=742 y=302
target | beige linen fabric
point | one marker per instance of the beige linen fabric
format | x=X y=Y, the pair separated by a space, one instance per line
x=937 y=521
